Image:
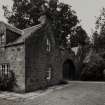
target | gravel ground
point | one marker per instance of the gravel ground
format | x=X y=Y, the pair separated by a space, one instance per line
x=75 y=93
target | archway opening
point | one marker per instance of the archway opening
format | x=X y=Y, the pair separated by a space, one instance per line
x=68 y=70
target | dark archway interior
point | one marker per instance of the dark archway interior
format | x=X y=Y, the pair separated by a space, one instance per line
x=68 y=70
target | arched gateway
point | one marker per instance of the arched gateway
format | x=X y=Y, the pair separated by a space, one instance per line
x=68 y=70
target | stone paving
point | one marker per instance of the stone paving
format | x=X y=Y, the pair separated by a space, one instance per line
x=74 y=93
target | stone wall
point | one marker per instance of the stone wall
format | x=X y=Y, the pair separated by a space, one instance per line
x=15 y=55
x=38 y=60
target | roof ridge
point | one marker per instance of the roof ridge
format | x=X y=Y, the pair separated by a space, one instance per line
x=27 y=32
x=31 y=27
x=17 y=30
x=42 y=21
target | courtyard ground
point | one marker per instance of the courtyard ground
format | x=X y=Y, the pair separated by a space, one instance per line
x=74 y=93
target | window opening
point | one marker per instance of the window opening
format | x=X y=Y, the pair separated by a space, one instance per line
x=48 y=45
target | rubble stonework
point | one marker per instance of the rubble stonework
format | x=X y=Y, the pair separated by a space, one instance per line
x=35 y=66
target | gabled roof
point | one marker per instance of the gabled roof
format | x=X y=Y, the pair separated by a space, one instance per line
x=30 y=30
x=25 y=33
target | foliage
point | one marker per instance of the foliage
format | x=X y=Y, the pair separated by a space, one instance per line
x=25 y=13
x=63 y=20
x=98 y=42
x=63 y=82
x=99 y=34
x=95 y=40
x=93 y=67
x=7 y=82
x=79 y=37
x=100 y=22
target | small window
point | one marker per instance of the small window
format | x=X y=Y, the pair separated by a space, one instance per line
x=2 y=39
x=48 y=45
x=48 y=74
x=4 y=69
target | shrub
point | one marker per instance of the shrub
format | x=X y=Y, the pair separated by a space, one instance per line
x=63 y=82
x=93 y=68
x=7 y=82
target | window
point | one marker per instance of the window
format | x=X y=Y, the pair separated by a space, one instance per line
x=48 y=74
x=48 y=45
x=2 y=39
x=4 y=69
x=18 y=49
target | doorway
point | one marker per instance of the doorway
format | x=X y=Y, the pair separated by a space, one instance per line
x=68 y=70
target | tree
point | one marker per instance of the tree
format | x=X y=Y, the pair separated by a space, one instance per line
x=25 y=13
x=64 y=18
x=93 y=67
x=95 y=40
x=100 y=22
x=79 y=37
x=99 y=34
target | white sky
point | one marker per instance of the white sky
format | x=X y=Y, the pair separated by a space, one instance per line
x=86 y=11
x=4 y=2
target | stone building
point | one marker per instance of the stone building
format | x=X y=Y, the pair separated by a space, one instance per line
x=33 y=56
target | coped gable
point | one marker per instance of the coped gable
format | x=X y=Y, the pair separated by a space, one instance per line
x=29 y=31
x=4 y=26
x=9 y=33
x=15 y=36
